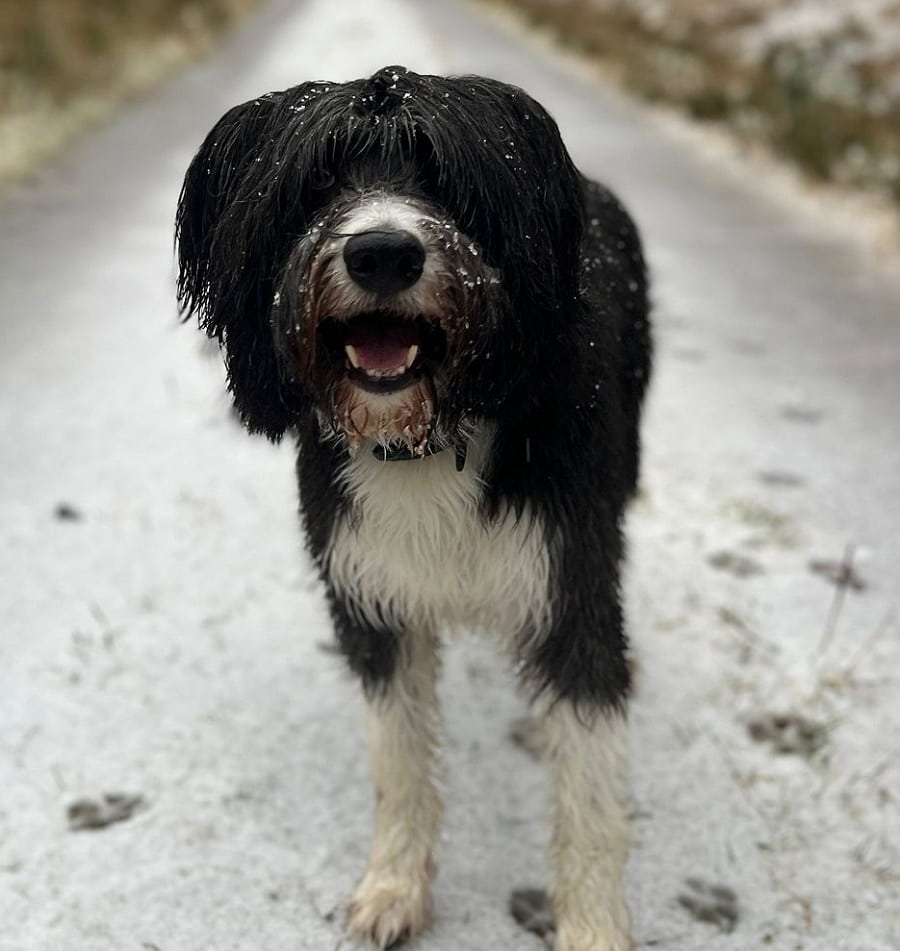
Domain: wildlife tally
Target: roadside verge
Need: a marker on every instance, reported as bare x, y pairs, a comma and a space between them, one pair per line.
65, 67
816, 82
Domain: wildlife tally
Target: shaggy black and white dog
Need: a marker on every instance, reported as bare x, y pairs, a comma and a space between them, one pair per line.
409, 274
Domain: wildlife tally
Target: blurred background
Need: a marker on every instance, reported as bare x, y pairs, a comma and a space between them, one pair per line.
817, 81
65, 64
182, 756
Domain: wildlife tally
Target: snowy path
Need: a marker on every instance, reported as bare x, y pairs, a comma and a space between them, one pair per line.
162, 634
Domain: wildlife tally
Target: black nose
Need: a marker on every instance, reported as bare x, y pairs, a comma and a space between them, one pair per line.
384, 261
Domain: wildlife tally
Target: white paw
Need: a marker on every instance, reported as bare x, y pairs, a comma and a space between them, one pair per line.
388, 909
582, 938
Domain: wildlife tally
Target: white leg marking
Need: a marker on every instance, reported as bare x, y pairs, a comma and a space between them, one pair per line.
590, 829
393, 899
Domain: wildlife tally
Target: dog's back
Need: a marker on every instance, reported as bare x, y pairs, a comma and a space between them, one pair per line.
614, 279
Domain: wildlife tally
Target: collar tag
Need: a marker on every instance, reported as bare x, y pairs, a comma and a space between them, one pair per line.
462, 450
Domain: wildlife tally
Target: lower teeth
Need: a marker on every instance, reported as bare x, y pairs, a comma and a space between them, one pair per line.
385, 374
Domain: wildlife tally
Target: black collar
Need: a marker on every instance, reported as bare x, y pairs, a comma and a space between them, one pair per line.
400, 452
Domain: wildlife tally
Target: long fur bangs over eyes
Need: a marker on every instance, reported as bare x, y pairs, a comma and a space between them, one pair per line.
262, 174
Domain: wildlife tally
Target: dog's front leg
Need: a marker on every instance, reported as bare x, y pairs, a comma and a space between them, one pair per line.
588, 756
393, 900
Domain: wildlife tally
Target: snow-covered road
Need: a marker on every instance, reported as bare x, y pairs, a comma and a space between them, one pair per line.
162, 635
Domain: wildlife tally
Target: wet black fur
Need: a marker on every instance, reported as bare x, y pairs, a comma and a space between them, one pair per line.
560, 358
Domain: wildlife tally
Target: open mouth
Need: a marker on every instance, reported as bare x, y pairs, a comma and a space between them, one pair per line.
383, 351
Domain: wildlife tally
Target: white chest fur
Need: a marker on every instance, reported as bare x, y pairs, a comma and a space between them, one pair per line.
417, 552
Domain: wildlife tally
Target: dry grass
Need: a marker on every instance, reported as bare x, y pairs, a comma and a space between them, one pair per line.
817, 101
67, 63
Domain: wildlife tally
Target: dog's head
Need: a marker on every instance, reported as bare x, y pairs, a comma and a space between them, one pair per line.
379, 252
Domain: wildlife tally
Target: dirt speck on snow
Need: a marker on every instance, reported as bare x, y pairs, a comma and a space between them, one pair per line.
840, 573
738, 565
525, 733
65, 512
789, 733
714, 904
93, 814
531, 909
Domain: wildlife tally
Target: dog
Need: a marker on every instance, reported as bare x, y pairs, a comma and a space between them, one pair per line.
409, 275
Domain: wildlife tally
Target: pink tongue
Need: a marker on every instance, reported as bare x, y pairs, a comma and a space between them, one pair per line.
382, 348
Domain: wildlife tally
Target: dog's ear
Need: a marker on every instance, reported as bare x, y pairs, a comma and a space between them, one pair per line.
548, 196
504, 172
228, 264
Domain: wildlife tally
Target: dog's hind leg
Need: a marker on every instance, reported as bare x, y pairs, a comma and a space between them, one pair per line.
393, 900
588, 756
